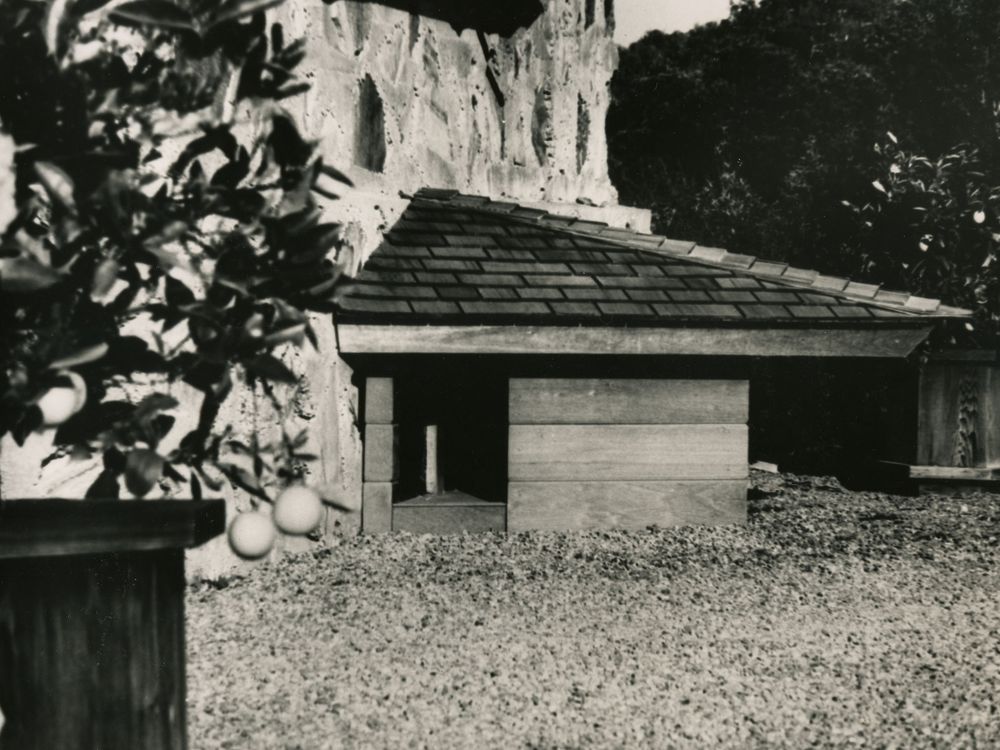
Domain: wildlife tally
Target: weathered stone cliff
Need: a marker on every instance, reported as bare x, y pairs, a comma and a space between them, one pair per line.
399, 102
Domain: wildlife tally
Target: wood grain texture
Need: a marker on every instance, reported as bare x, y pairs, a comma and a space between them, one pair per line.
607, 452
954, 472
450, 518
623, 401
572, 506
959, 415
43, 528
92, 652
381, 453
378, 401
750, 342
376, 507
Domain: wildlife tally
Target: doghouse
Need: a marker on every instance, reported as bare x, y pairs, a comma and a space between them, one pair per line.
524, 370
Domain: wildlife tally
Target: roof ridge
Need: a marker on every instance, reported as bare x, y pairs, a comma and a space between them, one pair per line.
801, 279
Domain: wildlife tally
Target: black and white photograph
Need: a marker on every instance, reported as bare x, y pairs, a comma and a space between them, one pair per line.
515, 374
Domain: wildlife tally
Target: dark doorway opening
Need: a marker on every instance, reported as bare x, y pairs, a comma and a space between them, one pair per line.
462, 418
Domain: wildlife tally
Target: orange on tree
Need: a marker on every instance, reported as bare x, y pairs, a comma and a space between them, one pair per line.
251, 535
63, 400
298, 510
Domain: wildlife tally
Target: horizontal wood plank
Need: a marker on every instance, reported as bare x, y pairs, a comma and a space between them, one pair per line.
571, 506
51, 527
450, 519
622, 401
959, 473
747, 342
606, 452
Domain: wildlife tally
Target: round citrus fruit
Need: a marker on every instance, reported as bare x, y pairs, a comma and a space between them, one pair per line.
251, 535
298, 510
62, 401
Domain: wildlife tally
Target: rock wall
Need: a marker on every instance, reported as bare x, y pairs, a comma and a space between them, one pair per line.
404, 101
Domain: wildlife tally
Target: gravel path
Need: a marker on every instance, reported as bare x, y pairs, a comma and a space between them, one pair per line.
832, 618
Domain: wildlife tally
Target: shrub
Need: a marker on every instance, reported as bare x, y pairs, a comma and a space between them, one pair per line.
933, 226
158, 225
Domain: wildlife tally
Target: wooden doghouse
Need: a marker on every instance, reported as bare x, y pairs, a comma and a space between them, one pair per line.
529, 371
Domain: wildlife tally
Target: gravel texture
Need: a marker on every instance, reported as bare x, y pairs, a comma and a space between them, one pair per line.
831, 619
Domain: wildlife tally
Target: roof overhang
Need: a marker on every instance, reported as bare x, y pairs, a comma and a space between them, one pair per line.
877, 342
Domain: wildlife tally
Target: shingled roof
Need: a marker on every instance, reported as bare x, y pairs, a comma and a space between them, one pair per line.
457, 259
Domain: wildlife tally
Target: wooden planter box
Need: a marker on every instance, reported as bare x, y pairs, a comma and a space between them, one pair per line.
92, 651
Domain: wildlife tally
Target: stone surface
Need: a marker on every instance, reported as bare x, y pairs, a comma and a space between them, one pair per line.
401, 102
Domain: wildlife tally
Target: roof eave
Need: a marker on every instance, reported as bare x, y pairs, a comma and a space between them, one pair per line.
707, 339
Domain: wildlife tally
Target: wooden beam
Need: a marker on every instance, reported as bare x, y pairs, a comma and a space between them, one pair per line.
628, 401
877, 342
627, 452
42, 528
959, 473
571, 506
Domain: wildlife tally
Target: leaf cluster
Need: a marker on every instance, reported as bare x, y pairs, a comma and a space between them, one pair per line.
141, 196
752, 133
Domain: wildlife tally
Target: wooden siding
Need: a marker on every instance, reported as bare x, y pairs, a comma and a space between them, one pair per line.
92, 649
600, 453
596, 401
959, 414
626, 505
449, 518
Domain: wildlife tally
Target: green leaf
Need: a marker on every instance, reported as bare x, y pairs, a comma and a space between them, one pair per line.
105, 276
80, 357
54, 20
153, 403
291, 333
105, 487
196, 493
143, 469
26, 275
320, 239
270, 368
335, 173
237, 9
57, 184
244, 480
159, 13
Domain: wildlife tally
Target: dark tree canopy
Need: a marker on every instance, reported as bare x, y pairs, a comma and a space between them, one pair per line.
759, 134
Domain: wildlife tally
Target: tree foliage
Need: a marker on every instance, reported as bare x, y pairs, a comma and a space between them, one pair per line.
758, 133
158, 224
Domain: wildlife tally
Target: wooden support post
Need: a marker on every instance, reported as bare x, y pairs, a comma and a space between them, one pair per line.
378, 401
432, 474
381, 457
381, 463
376, 508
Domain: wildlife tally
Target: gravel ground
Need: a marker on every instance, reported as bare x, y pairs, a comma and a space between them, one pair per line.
831, 619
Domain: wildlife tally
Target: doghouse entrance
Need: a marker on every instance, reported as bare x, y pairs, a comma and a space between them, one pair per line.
449, 453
